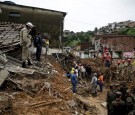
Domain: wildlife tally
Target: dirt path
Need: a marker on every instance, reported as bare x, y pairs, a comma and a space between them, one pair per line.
97, 102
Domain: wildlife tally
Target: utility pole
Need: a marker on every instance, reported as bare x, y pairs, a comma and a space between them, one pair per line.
61, 35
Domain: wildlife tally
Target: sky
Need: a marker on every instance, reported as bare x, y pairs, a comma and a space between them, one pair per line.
85, 15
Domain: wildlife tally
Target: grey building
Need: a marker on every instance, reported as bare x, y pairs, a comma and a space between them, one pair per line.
46, 21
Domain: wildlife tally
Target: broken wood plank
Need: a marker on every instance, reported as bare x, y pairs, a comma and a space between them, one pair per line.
40, 90
83, 100
33, 104
18, 69
14, 59
47, 85
45, 103
104, 104
67, 89
18, 86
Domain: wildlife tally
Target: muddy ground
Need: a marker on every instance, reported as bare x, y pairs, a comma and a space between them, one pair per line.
48, 94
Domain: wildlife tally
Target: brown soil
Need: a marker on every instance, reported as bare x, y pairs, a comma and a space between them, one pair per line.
53, 101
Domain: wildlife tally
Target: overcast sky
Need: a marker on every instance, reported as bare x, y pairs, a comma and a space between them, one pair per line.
84, 15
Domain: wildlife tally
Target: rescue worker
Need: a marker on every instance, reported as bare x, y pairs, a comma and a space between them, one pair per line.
118, 106
118, 62
76, 71
123, 68
25, 42
111, 96
82, 70
123, 89
129, 61
100, 81
108, 60
74, 82
129, 101
38, 44
94, 84
123, 61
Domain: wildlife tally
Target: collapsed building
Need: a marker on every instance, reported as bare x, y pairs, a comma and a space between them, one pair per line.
45, 20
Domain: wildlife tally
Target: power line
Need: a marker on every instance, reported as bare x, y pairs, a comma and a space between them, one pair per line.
72, 26
77, 27
82, 22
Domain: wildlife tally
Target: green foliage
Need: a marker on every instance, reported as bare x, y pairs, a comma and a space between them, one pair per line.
123, 31
127, 31
131, 32
79, 37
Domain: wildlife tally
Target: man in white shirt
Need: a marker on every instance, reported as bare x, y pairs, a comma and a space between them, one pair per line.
94, 85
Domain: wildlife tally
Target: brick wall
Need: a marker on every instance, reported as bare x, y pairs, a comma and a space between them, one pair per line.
118, 43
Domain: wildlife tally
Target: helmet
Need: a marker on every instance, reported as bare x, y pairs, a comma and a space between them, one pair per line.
118, 62
129, 60
95, 74
123, 61
118, 94
29, 24
73, 69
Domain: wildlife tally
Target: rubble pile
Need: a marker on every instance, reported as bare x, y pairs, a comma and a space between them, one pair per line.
95, 63
5, 103
9, 36
109, 73
40, 89
45, 91
47, 88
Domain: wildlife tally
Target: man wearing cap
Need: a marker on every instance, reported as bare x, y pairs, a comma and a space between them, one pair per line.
111, 96
118, 106
25, 42
94, 85
129, 101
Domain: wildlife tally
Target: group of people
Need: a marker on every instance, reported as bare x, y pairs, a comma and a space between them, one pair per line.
78, 72
81, 72
120, 100
29, 37
97, 80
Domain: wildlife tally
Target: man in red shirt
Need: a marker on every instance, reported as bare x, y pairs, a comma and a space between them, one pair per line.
108, 60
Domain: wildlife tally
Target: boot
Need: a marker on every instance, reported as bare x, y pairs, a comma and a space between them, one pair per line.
23, 64
29, 62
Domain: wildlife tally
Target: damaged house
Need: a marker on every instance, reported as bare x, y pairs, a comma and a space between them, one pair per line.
45, 20
122, 44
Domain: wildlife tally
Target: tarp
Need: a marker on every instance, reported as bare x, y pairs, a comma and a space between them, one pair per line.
128, 54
